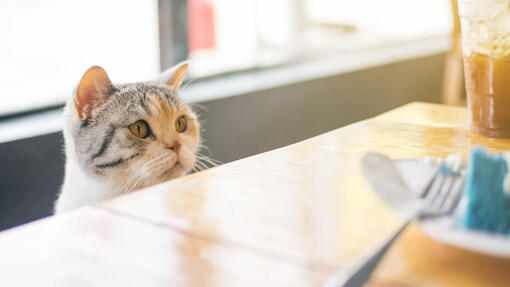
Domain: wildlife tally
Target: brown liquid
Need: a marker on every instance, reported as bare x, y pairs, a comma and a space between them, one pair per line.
488, 94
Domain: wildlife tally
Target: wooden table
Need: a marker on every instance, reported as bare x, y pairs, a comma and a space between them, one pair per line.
290, 217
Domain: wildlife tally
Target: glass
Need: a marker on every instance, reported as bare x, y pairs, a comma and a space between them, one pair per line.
485, 26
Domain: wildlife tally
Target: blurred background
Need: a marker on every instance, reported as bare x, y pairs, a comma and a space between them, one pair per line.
266, 73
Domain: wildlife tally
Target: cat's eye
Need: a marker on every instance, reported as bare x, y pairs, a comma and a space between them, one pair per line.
181, 125
140, 129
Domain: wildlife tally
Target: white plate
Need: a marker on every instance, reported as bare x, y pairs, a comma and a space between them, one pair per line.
444, 229
417, 173
447, 229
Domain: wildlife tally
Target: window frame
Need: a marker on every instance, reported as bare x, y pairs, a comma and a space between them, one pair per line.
173, 32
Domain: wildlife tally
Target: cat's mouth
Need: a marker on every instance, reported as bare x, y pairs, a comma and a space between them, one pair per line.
170, 173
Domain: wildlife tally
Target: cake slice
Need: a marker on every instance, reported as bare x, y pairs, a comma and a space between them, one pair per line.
488, 205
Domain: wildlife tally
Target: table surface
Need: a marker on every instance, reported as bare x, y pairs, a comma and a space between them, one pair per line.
294, 216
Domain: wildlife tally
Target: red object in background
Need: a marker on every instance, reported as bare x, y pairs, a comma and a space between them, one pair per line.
201, 25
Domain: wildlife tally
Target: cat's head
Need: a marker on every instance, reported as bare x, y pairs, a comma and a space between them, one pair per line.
135, 134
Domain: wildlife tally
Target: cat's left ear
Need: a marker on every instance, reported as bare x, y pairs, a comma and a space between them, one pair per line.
174, 76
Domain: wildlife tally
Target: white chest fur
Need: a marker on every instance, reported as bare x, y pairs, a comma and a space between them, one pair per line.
80, 189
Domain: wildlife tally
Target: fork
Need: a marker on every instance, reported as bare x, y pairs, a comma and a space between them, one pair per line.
439, 198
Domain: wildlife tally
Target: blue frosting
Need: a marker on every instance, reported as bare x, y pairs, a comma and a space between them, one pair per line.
488, 206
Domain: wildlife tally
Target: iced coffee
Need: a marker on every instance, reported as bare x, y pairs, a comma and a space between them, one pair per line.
485, 28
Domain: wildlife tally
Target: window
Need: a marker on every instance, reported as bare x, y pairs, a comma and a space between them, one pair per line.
228, 35
47, 45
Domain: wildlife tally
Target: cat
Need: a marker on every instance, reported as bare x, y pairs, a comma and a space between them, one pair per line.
120, 138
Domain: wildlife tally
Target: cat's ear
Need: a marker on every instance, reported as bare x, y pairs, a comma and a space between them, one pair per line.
174, 76
93, 87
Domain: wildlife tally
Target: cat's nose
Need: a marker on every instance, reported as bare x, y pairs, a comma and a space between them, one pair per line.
176, 147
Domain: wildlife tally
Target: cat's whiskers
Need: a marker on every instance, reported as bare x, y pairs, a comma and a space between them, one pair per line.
204, 157
188, 155
202, 147
201, 161
196, 106
187, 84
126, 186
153, 166
209, 160
138, 174
158, 165
130, 183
